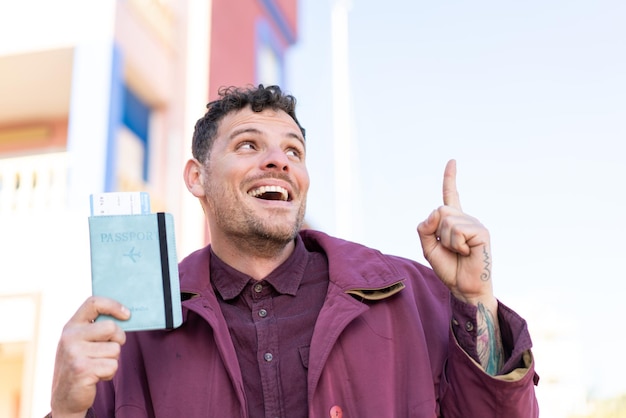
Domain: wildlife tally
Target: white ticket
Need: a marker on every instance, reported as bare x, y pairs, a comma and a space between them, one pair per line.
120, 203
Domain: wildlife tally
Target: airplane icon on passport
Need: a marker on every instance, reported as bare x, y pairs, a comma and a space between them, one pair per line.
132, 254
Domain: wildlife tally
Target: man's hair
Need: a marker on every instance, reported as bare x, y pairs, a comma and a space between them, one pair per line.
233, 99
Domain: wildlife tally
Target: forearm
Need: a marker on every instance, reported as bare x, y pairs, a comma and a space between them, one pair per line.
476, 327
488, 338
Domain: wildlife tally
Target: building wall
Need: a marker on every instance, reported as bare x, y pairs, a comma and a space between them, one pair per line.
242, 30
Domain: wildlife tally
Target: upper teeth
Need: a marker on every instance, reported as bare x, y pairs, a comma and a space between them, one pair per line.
266, 189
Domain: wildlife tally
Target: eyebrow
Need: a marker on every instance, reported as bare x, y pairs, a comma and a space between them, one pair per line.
238, 132
242, 131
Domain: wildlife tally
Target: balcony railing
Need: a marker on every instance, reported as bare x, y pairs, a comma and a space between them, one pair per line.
34, 183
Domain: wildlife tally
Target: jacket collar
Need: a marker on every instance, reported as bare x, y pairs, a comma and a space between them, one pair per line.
354, 268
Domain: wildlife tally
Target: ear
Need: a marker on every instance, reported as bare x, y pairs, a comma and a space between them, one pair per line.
194, 178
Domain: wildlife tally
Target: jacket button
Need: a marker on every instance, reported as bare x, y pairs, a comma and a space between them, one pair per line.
336, 412
469, 326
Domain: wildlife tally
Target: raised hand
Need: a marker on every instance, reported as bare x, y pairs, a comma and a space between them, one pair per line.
457, 246
87, 353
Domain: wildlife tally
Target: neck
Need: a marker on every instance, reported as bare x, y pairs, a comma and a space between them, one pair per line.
255, 257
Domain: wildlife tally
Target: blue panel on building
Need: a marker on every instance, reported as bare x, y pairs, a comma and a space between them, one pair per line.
136, 115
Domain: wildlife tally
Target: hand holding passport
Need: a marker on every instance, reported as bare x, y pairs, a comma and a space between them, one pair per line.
133, 260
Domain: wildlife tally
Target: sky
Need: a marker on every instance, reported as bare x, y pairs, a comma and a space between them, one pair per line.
530, 99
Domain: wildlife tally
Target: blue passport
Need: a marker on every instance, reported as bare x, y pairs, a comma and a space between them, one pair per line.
133, 260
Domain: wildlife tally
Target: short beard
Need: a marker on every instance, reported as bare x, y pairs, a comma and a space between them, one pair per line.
253, 236
266, 245
249, 233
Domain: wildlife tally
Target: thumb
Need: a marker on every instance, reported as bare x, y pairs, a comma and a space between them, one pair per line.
427, 231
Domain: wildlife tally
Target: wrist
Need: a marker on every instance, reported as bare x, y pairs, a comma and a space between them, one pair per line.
487, 300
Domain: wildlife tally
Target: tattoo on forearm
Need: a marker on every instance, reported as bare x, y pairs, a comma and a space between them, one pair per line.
489, 341
486, 274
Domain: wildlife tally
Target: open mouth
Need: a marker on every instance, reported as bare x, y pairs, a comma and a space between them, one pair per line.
270, 193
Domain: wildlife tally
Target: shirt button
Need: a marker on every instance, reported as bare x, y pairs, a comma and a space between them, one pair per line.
262, 313
258, 288
268, 357
469, 326
336, 412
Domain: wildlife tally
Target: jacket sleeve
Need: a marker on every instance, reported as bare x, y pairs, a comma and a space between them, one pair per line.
467, 390
104, 404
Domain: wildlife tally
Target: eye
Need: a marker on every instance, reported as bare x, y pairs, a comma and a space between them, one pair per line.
246, 145
295, 152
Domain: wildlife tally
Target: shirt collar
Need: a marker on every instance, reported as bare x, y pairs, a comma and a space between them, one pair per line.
285, 279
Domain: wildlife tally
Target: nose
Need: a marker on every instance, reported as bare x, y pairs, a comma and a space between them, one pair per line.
276, 160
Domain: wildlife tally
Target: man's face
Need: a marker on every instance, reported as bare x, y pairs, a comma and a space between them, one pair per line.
256, 179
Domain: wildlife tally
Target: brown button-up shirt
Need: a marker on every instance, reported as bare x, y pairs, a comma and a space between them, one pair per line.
271, 324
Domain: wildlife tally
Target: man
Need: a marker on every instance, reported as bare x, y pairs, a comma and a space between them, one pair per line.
279, 322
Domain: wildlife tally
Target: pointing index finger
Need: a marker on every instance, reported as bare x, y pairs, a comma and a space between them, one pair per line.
450, 192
